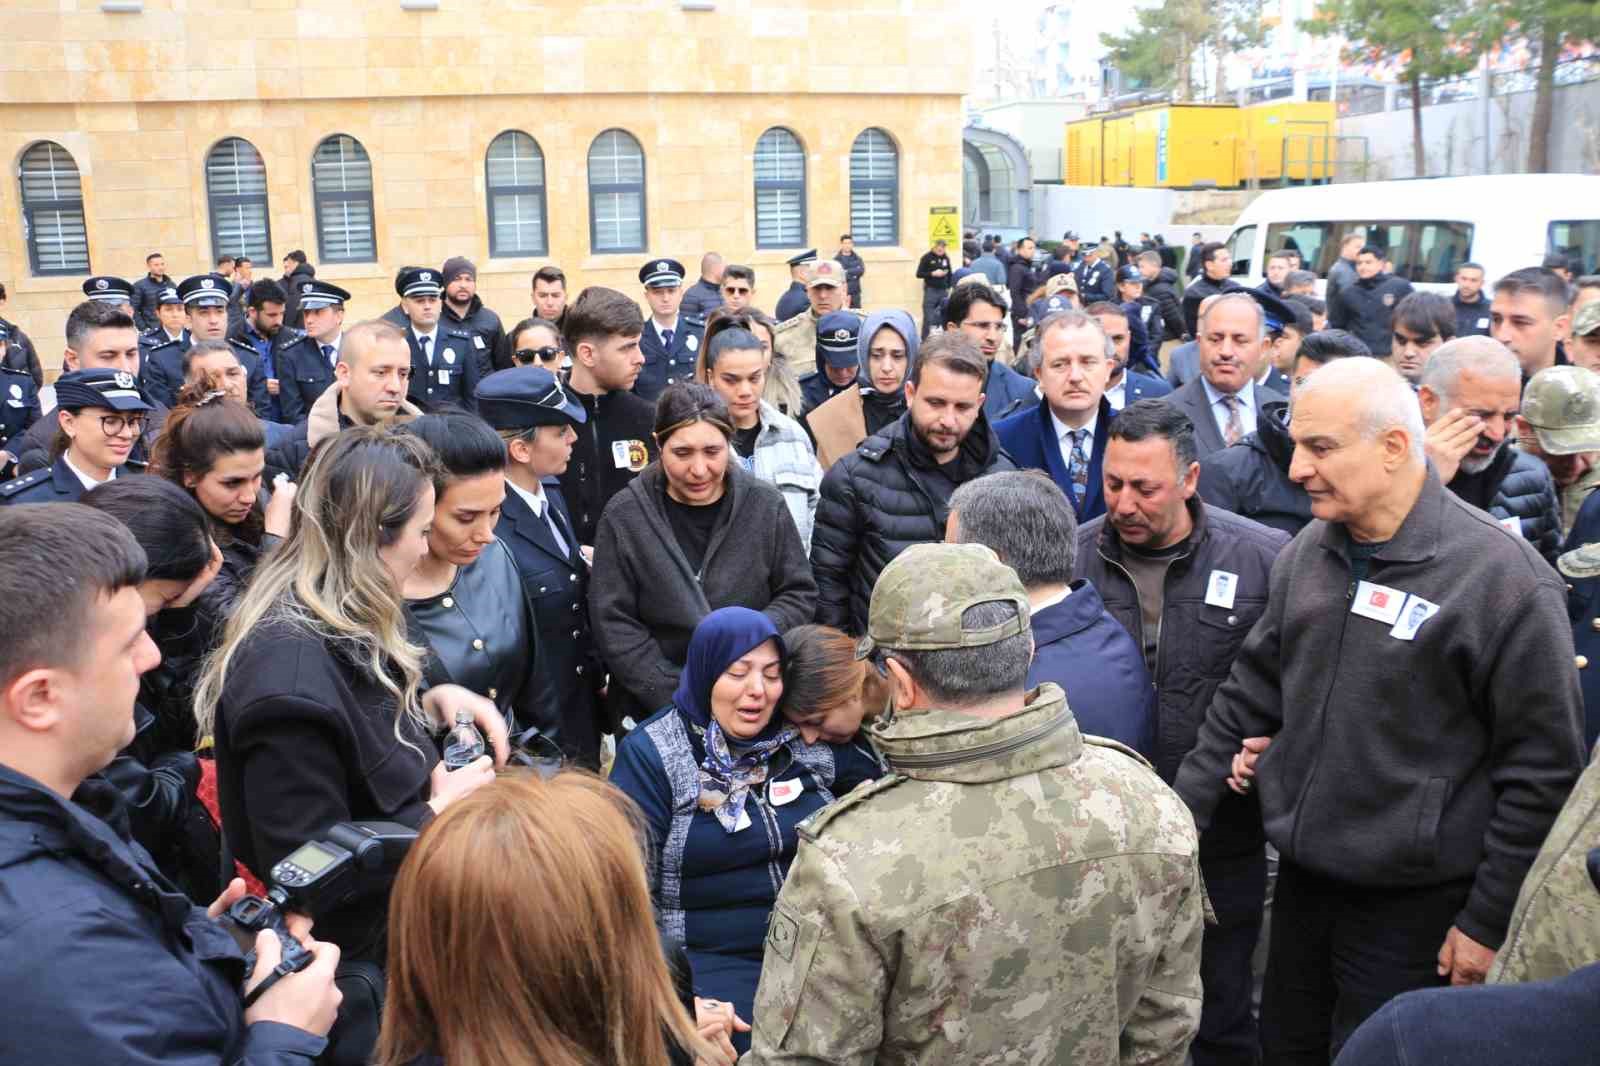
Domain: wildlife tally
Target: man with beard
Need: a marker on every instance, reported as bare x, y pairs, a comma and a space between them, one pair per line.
1470, 393
894, 489
464, 310
1125, 385
978, 312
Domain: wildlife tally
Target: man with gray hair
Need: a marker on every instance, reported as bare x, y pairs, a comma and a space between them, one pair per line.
1224, 402
1470, 392
1028, 522
1012, 891
1414, 670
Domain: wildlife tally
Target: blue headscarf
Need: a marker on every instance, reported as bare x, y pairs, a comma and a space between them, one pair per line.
901, 323
720, 640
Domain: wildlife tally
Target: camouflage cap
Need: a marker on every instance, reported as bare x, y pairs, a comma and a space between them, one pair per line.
1581, 562
1562, 404
920, 596
1587, 320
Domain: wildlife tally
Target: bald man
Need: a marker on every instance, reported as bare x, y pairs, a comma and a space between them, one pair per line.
705, 295
1412, 717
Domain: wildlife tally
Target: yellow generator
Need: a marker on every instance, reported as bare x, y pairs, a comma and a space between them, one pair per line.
1182, 146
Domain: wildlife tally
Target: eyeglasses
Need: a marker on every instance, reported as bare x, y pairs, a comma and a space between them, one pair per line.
117, 425
527, 356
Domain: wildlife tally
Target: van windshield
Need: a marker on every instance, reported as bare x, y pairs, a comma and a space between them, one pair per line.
1419, 250
1578, 239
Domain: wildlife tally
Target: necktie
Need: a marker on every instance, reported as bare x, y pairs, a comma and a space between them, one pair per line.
1078, 466
666, 339
555, 528
1235, 428
427, 353
327, 353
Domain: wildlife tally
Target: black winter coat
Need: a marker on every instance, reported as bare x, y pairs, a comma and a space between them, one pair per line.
1198, 640
879, 500
21, 354
645, 599
146, 298
599, 470
1164, 291
1196, 293
491, 349
305, 739
1517, 485
1251, 478
291, 282
1366, 306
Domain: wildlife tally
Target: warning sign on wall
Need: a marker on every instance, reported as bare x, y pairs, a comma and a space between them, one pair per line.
944, 224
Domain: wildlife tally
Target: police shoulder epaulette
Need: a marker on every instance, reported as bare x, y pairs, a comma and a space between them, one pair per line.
693, 319
16, 485
461, 333
859, 313
1118, 746
242, 344
812, 827
792, 322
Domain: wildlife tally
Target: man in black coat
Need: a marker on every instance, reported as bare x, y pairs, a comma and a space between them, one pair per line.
1365, 307
854, 268
296, 272
933, 270
147, 289
1471, 305
617, 440
794, 300
893, 490
1216, 267
1161, 285
464, 310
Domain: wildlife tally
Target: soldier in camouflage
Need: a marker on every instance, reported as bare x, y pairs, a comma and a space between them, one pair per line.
1012, 891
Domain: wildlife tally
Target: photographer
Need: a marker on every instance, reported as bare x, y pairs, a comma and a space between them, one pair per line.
101, 958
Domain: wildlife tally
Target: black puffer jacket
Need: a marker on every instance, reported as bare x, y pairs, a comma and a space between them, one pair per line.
1251, 478
1164, 291
1517, 485
1195, 295
879, 500
1197, 642
1366, 308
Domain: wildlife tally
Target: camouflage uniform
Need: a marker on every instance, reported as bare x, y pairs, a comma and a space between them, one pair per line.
1012, 892
1561, 404
1555, 927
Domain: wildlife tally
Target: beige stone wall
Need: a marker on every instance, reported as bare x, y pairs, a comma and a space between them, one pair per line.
140, 99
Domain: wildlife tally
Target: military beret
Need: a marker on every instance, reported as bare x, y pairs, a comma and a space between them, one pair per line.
99, 387
106, 289
662, 274
418, 281
205, 290
524, 397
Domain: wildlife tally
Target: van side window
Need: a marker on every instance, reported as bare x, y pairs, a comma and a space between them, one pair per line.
1421, 250
1578, 239
1241, 249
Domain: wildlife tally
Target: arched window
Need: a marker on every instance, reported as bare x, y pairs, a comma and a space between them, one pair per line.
874, 189
514, 177
52, 211
341, 184
616, 193
236, 189
780, 190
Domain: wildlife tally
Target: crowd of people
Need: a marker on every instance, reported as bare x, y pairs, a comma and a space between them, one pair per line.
1117, 664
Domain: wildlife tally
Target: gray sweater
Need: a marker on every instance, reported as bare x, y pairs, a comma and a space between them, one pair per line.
644, 599
1406, 762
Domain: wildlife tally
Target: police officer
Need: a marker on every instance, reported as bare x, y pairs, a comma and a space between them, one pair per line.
1049, 965
538, 419
169, 320
19, 405
838, 360
102, 413
670, 341
205, 304
793, 301
20, 353
444, 368
306, 359
103, 288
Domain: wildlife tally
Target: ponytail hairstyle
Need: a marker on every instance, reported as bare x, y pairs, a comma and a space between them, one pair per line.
358, 491
203, 428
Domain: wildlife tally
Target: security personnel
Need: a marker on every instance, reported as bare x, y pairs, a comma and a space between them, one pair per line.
444, 368
19, 405
795, 339
838, 359
103, 413
205, 305
1061, 920
305, 360
538, 419
1581, 566
103, 288
793, 300
169, 312
20, 353
670, 341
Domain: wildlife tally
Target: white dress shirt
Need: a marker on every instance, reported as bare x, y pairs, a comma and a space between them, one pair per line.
1219, 410
430, 351
1064, 436
88, 482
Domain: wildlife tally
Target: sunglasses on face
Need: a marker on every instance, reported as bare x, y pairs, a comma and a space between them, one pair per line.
529, 356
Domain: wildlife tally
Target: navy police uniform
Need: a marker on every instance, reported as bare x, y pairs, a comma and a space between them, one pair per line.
103, 288
669, 355
161, 357
545, 546
445, 371
837, 333
115, 391
19, 405
305, 370
794, 300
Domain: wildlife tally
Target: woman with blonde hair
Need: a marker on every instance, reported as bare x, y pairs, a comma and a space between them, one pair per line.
484, 971
315, 694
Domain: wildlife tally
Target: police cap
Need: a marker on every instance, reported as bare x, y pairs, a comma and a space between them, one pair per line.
802, 258
103, 288
524, 397
169, 295
205, 290
837, 332
1562, 404
418, 281
317, 293
99, 387
921, 595
662, 274
1276, 312
1130, 273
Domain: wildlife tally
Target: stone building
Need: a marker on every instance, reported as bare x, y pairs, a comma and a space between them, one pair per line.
374, 134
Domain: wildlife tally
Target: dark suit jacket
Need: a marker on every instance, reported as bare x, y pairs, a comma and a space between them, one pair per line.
1191, 399
557, 584
452, 377
1143, 387
1029, 437
663, 367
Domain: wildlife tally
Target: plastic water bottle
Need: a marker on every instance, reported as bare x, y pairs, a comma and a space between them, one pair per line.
465, 744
